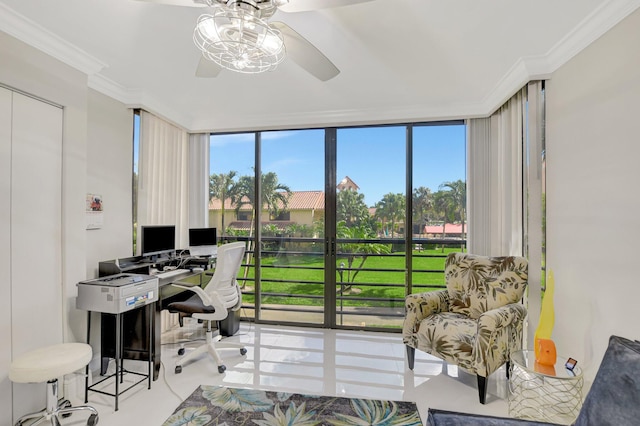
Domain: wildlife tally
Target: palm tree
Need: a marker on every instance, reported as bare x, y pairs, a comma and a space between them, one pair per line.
222, 186
351, 207
422, 203
274, 195
391, 207
457, 193
443, 206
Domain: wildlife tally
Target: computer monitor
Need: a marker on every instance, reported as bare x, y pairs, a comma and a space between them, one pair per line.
203, 242
156, 241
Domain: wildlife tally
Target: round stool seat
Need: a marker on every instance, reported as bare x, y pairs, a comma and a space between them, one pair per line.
49, 362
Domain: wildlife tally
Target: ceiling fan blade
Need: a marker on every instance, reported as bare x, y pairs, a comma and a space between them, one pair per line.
305, 54
187, 3
207, 68
307, 5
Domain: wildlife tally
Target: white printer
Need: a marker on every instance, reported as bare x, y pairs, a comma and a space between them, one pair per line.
118, 293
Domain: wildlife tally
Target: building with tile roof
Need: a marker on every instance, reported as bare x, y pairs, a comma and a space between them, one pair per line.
304, 208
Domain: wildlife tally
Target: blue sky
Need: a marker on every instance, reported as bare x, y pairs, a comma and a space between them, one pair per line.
373, 157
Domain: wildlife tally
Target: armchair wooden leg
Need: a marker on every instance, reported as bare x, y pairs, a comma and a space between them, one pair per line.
411, 356
482, 389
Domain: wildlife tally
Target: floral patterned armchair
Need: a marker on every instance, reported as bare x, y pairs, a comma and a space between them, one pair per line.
477, 321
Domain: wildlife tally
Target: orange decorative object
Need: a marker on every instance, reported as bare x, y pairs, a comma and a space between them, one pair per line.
546, 352
549, 370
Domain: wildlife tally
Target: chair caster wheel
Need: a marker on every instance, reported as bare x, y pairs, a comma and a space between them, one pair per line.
178, 369
243, 351
221, 369
93, 420
181, 351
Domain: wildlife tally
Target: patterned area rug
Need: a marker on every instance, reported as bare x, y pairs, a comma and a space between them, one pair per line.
218, 405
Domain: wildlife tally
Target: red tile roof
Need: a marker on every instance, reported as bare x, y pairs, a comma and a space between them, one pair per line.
451, 228
298, 200
306, 200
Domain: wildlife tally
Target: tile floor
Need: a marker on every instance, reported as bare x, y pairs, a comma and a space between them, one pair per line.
308, 360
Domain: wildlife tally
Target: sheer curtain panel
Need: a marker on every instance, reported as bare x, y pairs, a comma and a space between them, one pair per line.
495, 176
163, 183
163, 176
199, 180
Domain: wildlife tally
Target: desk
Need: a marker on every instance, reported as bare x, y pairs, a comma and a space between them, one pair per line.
135, 324
549, 394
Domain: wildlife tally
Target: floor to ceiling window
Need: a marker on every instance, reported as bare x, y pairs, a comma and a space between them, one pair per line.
438, 201
292, 273
370, 225
231, 195
349, 220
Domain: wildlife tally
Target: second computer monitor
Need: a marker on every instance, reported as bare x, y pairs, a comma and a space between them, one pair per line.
203, 241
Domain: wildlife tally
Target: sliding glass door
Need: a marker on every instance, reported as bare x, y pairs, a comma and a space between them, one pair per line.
340, 224
232, 169
292, 276
438, 202
370, 226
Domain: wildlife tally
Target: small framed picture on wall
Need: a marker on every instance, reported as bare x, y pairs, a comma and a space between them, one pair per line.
94, 211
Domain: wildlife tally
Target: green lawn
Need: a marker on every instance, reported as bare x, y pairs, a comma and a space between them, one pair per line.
390, 290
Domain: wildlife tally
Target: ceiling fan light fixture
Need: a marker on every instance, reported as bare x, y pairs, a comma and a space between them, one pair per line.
236, 39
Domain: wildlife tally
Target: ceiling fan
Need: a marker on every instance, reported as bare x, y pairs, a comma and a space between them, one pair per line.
237, 36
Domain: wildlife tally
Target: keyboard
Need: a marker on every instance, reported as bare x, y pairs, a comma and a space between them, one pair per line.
172, 273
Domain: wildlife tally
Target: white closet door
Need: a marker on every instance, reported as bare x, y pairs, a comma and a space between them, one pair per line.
5, 255
36, 235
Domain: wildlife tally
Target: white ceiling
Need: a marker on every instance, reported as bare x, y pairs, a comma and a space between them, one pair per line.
400, 60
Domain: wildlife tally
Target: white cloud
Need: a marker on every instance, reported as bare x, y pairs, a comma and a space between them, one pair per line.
281, 163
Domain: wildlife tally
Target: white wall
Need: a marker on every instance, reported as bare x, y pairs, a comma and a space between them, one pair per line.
103, 165
6, 394
593, 204
28, 70
109, 173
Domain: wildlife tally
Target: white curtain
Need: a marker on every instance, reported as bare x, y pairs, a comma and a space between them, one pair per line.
163, 183
534, 224
495, 176
199, 180
162, 176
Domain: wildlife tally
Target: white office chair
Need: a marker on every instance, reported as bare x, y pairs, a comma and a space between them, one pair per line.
213, 302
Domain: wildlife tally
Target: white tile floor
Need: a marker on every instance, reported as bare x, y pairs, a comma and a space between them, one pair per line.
308, 360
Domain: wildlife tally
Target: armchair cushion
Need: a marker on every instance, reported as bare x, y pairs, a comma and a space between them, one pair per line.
450, 335
477, 284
